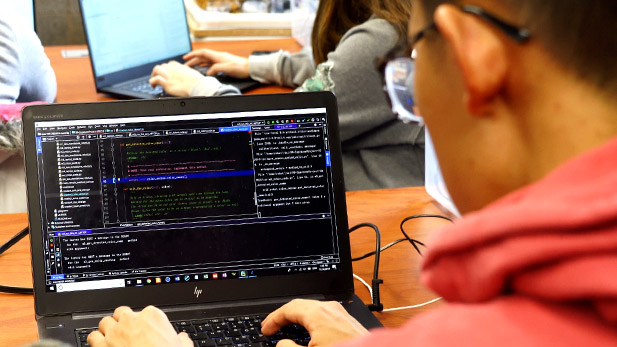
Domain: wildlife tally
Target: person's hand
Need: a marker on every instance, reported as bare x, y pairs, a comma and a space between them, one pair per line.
326, 322
175, 78
228, 63
150, 327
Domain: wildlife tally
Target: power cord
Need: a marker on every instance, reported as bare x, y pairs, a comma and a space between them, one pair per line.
376, 305
415, 242
10, 289
381, 249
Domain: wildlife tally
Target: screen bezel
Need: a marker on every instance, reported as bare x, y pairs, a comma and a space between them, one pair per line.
331, 284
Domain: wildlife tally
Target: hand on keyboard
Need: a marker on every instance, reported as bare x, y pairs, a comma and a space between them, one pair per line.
219, 62
150, 327
326, 322
175, 78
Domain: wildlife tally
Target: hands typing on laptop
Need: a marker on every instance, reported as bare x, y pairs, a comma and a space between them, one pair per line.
327, 323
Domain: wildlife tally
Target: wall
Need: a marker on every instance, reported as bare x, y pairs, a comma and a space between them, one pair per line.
58, 22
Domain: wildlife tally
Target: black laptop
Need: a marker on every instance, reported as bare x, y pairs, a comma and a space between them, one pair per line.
126, 39
217, 210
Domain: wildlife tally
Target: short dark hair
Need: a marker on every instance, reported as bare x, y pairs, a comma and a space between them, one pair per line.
581, 34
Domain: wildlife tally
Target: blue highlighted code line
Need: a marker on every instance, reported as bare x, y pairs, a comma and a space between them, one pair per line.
178, 177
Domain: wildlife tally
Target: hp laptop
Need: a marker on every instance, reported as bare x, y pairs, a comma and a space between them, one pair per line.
217, 210
126, 39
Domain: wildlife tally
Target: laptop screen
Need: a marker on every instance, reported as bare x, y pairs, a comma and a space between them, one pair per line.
126, 34
158, 200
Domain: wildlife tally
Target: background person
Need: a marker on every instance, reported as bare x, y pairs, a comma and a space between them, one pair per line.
524, 121
348, 36
25, 76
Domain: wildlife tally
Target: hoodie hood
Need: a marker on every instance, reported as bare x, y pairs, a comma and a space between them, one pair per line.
554, 240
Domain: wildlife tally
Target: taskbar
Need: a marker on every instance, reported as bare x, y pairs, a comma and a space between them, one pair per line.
162, 279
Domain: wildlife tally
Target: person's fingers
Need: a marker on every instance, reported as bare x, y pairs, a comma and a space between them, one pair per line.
159, 70
292, 312
215, 69
194, 61
186, 340
153, 311
204, 54
106, 324
122, 312
157, 81
189, 55
96, 339
287, 343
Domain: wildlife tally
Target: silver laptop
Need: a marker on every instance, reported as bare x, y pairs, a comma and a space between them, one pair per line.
126, 39
218, 210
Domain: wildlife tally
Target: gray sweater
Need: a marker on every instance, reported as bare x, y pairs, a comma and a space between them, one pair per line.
378, 150
25, 71
25, 75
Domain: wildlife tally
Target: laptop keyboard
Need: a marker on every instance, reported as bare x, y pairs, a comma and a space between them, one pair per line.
229, 331
144, 86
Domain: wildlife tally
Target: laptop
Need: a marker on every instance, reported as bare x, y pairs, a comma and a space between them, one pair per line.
126, 39
209, 208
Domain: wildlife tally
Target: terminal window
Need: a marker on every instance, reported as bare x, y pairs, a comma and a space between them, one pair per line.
128, 199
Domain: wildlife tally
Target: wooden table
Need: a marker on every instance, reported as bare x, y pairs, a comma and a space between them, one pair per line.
76, 82
385, 208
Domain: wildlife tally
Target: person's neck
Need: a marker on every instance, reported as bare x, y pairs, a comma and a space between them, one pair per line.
568, 117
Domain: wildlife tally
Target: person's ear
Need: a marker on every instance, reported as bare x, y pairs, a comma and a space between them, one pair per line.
479, 53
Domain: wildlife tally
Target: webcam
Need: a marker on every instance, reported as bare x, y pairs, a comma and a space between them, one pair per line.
182, 103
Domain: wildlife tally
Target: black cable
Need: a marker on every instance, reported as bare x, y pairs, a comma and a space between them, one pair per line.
4, 248
399, 240
20, 235
376, 305
382, 249
415, 242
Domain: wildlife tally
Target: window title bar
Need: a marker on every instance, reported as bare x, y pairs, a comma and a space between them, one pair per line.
172, 118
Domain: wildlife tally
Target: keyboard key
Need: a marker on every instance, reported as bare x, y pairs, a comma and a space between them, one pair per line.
215, 334
206, 343
236, 325
253, 323
251, 331
258, 338
198, 336
187, 329
203, 327
233, 332
224, 341
219, 326
240, 340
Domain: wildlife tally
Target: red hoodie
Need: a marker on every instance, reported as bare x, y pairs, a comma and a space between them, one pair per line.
536, 268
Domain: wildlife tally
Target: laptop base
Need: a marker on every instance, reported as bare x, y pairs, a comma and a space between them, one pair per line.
63, 328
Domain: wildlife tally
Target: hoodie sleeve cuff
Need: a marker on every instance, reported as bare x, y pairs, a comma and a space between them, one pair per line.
210, 86
263, 68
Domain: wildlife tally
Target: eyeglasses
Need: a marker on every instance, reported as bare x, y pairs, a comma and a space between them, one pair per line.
399, 72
